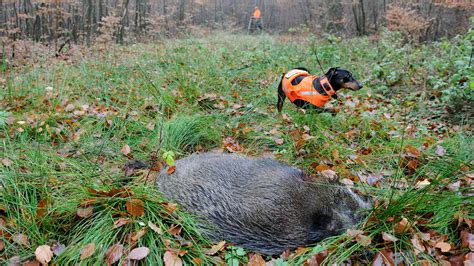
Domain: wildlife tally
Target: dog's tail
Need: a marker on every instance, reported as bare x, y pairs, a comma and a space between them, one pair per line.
281, 96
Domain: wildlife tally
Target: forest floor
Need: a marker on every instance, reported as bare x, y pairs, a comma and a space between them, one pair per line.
69, 127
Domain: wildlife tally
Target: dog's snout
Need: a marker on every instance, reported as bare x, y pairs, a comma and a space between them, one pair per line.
360, 85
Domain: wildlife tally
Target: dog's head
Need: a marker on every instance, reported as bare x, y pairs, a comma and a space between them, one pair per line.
342, 79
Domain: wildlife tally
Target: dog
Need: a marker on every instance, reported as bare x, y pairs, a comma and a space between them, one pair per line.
259, 204
306, 90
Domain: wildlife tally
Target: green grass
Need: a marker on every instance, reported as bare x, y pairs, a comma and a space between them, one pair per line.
152, 97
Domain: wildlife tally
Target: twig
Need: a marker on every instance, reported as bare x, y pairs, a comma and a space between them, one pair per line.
62, 46
472, 52
160, 137
315, 52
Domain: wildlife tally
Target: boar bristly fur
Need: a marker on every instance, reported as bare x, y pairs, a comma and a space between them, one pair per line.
259, 204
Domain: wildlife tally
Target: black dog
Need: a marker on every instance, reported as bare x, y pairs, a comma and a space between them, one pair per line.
306, 90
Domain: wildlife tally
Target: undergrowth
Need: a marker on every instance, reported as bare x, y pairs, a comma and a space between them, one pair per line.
68, 130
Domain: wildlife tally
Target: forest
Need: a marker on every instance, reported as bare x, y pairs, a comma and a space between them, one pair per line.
104, 102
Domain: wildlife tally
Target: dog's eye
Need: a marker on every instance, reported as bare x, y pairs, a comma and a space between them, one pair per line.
346, 79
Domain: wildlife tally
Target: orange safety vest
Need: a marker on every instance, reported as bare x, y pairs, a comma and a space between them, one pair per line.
256, 13
305, 89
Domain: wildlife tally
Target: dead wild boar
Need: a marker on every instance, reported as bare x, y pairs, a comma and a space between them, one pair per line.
259, 204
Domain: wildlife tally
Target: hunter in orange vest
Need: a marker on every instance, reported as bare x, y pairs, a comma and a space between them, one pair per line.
304, 89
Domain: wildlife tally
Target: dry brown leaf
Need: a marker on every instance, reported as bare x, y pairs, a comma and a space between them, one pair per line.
7, 162
388, 237
2, 245
85, 212
467, 240
378, 260
43, 254
41, 208
364, 240
121, 222
256, 260
171, 259
138, 253
353, 232
87, 251
113, 253
138, 234
21, 239
125, 149
174, 229
412, 151
388, 257
445, 247
422, 184
417, 244
155, 228
171, 169
135, 207
401, 226
170, 207
215, 248
278, 141
31, 263
469, 259
330, 174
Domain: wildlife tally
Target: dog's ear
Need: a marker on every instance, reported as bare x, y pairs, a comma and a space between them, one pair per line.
331, 72
281, 96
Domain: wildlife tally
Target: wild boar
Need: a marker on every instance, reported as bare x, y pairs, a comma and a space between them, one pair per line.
259, 204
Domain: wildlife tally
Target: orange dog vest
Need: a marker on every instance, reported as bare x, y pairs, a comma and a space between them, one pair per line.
305, 89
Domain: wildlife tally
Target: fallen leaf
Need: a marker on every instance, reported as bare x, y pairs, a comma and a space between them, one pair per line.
445, 247
412, 151
138, 253
135, 207
347, 182
30, 263
330, 174
174, 229
256, 260
377, 261
113, 253
155, 228
21, 239
354, 232
215, 248
417, 244
364, 240
121, 222
138, 234
41, 208
422, 184
469, 259
278, 141
85, 212
7, 162
14, 261
454, 186
440, 151
125, 149
171, 169
2, 245
171, 259
388, 257
467, 240
388, 237
43, 254
401, 226
87, 251
58, 248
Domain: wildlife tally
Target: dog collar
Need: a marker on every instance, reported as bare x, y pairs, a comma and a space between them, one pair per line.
324, 82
